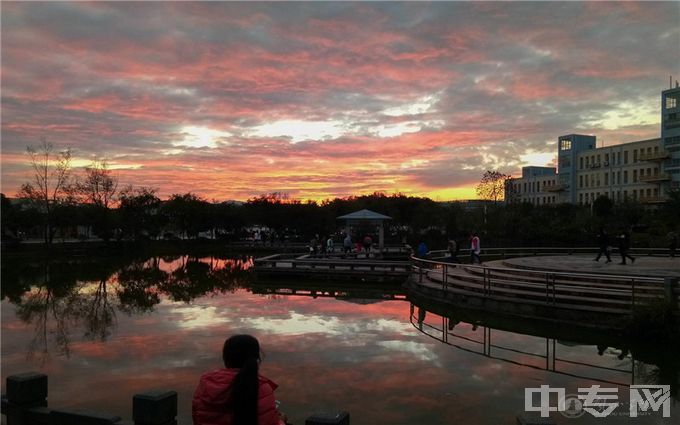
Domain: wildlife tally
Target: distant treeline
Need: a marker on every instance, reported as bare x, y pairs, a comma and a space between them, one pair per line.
141, 215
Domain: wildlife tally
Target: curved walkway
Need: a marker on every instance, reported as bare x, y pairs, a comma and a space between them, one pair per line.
644, 266
570, 288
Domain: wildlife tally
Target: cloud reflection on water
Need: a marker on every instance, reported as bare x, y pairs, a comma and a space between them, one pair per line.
325, 353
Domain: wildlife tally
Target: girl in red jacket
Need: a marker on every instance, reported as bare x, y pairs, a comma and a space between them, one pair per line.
237, 394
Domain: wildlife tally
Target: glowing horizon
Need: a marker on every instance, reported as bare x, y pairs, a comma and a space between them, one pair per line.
323, 100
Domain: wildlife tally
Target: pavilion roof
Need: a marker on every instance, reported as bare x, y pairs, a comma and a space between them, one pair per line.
364, 215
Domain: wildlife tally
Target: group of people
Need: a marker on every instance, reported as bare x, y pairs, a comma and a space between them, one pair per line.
454, 249
323, 245
364, 245
605, 247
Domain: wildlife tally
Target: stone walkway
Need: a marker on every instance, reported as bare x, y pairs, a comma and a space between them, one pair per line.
644, 265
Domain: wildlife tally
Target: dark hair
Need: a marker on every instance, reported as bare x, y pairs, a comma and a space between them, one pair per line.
243, 352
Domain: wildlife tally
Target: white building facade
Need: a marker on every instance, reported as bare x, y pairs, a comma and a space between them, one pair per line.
643, 171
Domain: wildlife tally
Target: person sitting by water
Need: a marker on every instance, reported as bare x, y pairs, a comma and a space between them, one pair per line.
236, 394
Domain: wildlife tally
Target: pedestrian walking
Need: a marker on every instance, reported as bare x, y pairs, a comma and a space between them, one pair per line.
422, 250
347, 244
603, 243
475, 249
454, 248
624, 247
329, 245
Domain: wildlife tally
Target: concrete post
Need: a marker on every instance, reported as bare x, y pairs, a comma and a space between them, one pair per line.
155, 408
670, 284
24, 391
328, 418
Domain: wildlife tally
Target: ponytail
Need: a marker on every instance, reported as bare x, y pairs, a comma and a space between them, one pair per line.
244, 392
243, 352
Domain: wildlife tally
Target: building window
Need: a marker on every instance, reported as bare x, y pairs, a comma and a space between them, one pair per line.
580, 181
606, 179
625, 157
625, 177
635, 156
580, 163
565, 145
606, 159
618, 157
635, 178
671, 102
618, 177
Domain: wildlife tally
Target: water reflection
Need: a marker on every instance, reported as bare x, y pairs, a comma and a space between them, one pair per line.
55, 297
597, 363
128, 325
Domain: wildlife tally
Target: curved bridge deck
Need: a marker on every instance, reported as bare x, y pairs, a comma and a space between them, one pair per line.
562, 288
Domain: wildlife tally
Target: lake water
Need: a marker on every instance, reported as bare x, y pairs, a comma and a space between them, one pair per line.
105, 330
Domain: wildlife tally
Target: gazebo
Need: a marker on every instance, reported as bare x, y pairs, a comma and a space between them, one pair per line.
364, 218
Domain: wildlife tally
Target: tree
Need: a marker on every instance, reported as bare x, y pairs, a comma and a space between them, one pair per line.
98, 189
189, 214
492, 186
99, 186
139, 212
50, 186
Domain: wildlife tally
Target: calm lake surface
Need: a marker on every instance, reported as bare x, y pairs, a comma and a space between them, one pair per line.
104, 330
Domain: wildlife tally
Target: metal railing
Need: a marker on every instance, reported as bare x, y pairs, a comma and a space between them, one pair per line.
582, 291
305, 262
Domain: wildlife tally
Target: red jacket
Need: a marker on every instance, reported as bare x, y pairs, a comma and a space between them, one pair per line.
210, 405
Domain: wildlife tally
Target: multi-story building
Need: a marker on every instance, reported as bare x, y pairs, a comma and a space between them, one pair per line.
670, 133
643, 171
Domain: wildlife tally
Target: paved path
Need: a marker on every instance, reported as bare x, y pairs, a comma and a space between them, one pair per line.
643, 266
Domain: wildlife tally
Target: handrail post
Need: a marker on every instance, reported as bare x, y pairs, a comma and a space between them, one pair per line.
445, 270
670, 284
632, 296
554, 288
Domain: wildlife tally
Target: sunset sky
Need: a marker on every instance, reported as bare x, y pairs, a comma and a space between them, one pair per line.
322, 100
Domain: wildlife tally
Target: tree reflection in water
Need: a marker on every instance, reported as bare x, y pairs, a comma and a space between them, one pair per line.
58, 297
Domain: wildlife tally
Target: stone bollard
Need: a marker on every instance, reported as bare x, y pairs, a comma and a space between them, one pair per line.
155, 408
670, 285
25, 391
328, 418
